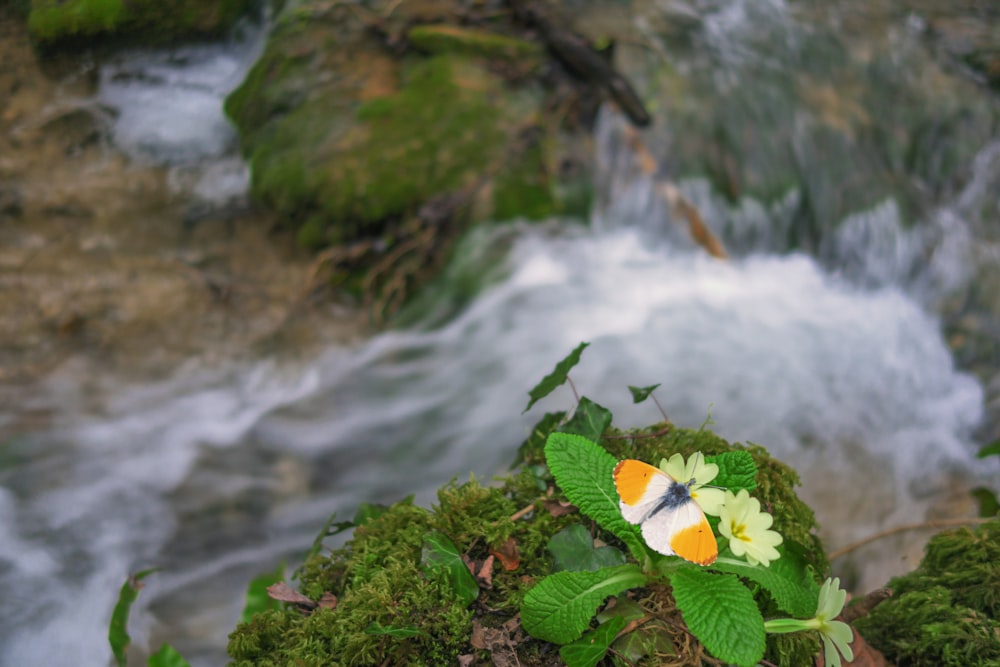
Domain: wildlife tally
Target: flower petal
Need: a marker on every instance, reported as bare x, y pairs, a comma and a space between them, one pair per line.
830, 656
710, 500
674, 466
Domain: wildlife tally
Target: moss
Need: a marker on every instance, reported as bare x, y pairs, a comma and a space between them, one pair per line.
52, 21
443, 38
946, 612
438, 131
523, 189
377, 577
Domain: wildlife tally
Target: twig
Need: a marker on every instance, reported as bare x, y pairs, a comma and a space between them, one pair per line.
660, 407
863, 606
940, 523
523, 511
576, 394
620, 657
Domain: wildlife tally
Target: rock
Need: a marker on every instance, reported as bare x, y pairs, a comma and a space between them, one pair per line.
353, 121
58, 21
445, 38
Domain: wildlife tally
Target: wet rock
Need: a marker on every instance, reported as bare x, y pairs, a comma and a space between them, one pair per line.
354, 121
55, 21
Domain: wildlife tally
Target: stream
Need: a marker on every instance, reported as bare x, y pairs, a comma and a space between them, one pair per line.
836, 360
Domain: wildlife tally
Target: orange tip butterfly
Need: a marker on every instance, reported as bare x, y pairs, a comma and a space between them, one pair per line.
672, 522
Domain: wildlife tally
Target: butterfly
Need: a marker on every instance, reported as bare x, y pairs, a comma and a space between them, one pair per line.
672, 522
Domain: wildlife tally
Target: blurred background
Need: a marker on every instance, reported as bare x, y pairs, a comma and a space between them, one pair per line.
264, 265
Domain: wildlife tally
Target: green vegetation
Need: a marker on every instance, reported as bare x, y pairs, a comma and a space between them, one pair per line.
405, 591
444, 38
51, 21
946, 613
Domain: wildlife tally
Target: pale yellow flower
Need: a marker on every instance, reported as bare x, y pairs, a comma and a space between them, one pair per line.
698, 473
746, 527
835, 635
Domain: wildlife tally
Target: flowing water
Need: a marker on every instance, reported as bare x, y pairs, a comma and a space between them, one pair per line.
835, 361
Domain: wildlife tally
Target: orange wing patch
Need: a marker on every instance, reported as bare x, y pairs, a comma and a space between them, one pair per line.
632, 478
696, 543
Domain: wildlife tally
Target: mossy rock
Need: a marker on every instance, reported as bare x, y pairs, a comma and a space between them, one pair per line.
343, 137
158, 21
391, 611
446, 38
946, 613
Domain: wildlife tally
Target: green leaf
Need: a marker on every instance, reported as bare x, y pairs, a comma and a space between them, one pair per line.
167, 656
588, 650
258, 601
573, 549
624, 608
557, 377
640, 394
440, 557
787, 591
585, 472
736, 470
533, 446
117, 633
589, 420
330, 528
376, 628
721, 613
987, 500
992, 449
560, 607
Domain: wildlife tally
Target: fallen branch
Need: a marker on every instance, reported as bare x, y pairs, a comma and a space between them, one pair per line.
939, 523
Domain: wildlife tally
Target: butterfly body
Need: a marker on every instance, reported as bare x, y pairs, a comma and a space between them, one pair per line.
671, 521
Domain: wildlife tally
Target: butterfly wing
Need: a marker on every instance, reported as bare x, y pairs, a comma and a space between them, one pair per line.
683, 531
640, 486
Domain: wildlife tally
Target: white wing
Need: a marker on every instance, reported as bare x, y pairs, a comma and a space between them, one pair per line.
658, 529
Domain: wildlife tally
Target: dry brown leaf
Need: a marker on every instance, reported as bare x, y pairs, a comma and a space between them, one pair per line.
466, 660
497, 641
508, 554
282, 592
558, 508
481, 570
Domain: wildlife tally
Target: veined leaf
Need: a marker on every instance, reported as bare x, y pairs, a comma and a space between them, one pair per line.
788, 593
117, 633
721, 613
585, 473
536, 441
590, 420
557, 377
588, 650
167, 656
440, 556
572, 549
736, 470
992, 449
640, 394
560, 607
257, 598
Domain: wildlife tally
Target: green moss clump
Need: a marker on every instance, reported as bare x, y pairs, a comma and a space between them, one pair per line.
51, 21
429, 138
946, 613
444, 38
378, 579
524, 189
